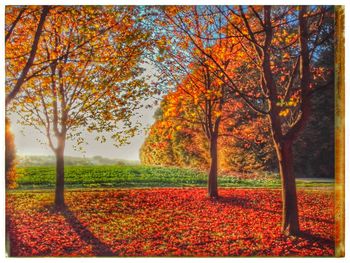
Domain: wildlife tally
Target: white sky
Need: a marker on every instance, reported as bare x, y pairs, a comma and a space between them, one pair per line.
26, 141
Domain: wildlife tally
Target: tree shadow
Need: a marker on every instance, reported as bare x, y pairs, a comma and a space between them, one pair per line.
243, 203
15, 247
307, 235
99, 248
248, 204
316, 238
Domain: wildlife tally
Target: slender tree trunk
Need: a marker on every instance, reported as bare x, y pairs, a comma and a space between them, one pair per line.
59, 194
213, 173
290, 217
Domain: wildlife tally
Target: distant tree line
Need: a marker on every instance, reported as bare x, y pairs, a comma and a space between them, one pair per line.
50, 160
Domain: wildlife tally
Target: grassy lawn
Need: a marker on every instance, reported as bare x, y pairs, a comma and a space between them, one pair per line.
139, 176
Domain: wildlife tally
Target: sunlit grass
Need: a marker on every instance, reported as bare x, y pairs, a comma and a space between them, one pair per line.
140, 176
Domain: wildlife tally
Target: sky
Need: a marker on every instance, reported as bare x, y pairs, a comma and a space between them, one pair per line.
26, 141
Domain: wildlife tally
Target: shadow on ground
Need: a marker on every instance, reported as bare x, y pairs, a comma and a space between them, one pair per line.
99, 248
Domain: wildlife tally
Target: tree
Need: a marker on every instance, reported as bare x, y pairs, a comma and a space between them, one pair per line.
200, 100
176, 138
10, 157
318, 135
93, 80
201, 93
279, 45
317, 138
244, 144
172, 141
19, 59
20, 54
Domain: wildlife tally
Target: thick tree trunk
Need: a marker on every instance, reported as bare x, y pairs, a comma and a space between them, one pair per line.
213, 173
59, 194
290, 217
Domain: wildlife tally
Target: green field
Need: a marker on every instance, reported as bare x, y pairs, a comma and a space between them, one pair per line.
139, 176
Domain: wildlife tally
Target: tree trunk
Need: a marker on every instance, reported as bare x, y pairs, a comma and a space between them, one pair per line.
290, 217
59, 194
213, 173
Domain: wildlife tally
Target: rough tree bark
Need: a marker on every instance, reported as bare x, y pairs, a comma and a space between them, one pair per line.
59, 192
213, 173
290, 216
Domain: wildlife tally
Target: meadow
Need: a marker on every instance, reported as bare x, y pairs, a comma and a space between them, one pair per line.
138, 176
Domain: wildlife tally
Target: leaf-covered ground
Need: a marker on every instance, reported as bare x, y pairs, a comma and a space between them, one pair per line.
167, 222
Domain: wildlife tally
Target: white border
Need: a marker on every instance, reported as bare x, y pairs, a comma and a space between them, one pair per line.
179, 2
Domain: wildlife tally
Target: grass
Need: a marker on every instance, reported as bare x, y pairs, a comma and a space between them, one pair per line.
139, 176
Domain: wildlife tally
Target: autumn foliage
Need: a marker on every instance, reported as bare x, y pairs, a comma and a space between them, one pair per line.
267, 57
86, 75
244, 145
168, 222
